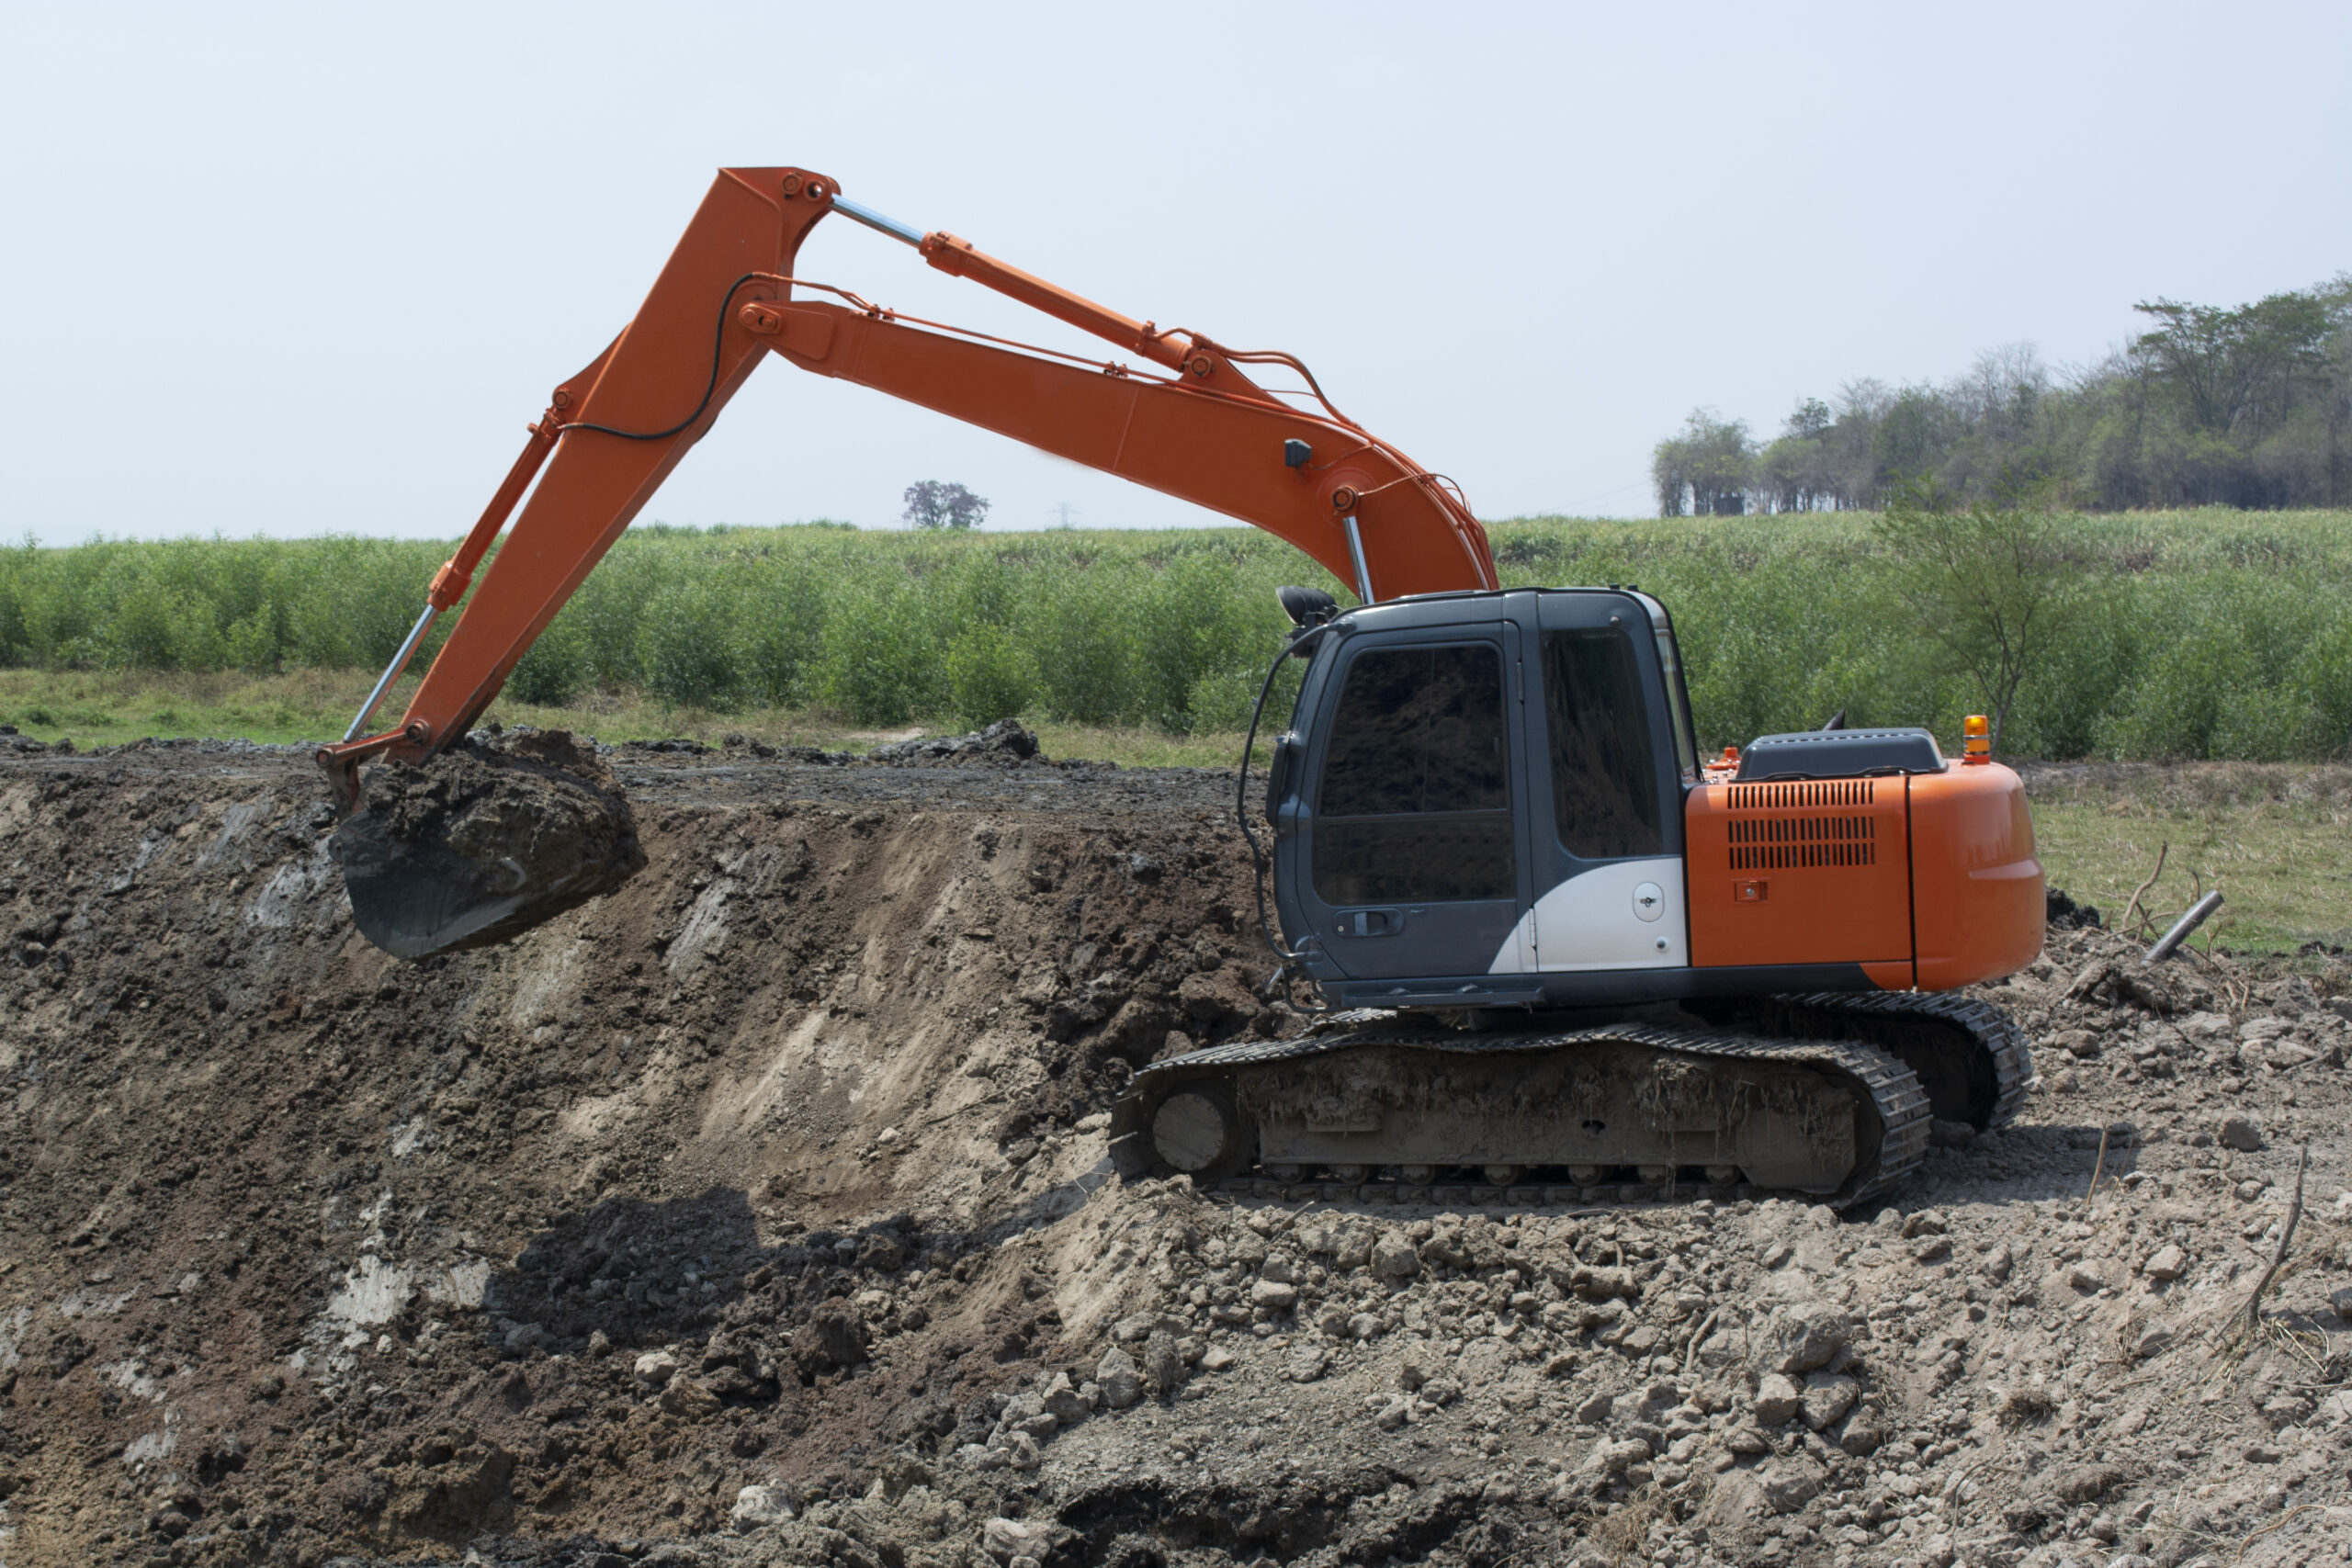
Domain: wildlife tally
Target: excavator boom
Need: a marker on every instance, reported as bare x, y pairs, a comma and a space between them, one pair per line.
1194, 423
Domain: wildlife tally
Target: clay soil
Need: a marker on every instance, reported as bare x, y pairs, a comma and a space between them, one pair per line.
759, 1212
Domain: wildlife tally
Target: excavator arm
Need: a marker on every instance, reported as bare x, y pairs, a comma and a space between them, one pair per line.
1194, 424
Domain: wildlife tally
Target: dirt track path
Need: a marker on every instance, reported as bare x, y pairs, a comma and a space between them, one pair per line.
773, 1185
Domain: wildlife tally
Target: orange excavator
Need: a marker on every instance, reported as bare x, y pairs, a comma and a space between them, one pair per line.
1560, 954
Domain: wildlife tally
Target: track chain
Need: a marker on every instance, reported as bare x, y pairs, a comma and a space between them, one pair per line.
1894, 1089
1995, 1032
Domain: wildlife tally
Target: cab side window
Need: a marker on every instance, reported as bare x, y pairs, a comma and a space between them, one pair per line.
1415, 801
1604, 777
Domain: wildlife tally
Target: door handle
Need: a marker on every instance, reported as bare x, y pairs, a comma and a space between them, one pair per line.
1369, 922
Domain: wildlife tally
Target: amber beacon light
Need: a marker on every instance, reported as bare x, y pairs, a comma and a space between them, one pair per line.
1978, 745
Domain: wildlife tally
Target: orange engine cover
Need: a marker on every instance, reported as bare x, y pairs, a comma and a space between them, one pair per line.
1814, 871
1976, 888
1927, 880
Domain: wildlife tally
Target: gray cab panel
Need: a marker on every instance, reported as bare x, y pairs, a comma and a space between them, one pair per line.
1463, 769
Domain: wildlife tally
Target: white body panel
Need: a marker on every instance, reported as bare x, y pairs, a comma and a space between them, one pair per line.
1625, 915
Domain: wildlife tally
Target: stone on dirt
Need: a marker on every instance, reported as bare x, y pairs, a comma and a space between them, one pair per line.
1005, 1539
832, 1338
1827, 1396
1120, 1379
756, 1505
1777, 1400
1395, 1257
1803, 1336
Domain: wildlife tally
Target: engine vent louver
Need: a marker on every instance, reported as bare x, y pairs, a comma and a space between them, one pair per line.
1783, 843
1812, 792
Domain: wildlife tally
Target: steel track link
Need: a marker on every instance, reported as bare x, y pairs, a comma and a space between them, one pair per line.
1993, 1032
1894, 1089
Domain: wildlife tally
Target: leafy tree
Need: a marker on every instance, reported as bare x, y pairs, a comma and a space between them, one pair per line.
1799, 471
2231, 365
1706, 470
932, 504
1991, 584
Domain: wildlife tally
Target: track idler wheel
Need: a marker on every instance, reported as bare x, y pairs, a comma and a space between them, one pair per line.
1194, 1129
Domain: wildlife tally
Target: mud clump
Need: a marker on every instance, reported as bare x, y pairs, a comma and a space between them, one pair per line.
2061, 912
1006, 743
484, 841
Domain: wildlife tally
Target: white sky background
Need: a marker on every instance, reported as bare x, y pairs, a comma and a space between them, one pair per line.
310, 269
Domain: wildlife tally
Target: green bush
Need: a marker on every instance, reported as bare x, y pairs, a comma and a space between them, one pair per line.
557, 669
988, 676
1223, 702
685, 645
879, 661
253, 641
780, 625
1082, 629
2220, 634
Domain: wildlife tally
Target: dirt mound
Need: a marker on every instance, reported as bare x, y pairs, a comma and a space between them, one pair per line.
2061, 912
1006, 741
761, 1212
484, 841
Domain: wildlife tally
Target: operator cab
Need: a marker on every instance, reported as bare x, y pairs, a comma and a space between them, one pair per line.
1479, 801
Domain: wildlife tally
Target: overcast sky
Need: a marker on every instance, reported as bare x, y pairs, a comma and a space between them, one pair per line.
311, 269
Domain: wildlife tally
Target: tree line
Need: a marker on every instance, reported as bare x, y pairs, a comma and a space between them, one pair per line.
2247, 406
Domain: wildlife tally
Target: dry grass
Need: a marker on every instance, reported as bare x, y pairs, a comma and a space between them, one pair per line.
2276, 838
107, 707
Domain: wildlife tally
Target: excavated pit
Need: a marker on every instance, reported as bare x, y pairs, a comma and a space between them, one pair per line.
761, 1212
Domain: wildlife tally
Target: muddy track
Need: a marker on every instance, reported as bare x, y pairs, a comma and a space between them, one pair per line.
762, 1212
1897, 1120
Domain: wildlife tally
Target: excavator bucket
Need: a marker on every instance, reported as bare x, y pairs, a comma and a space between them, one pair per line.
480, 843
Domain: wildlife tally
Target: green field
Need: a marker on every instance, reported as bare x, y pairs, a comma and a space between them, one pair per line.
2226, 635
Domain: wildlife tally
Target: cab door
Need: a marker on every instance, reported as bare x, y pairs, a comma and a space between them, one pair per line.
1606, 835
1402, 852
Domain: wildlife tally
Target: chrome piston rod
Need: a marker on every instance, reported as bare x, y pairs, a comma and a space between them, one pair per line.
392, 671
1355, 554
875, 221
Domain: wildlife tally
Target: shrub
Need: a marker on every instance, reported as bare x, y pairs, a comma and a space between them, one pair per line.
557, 667
253, 641
988, 676
686, 646
879, 661
781, 605
2219, 633
1082, 629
